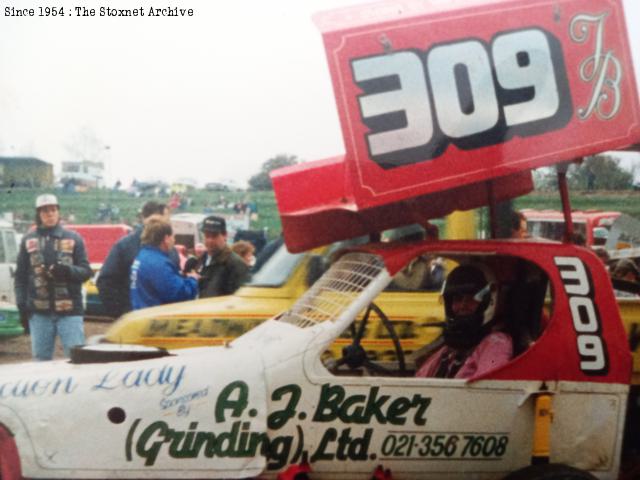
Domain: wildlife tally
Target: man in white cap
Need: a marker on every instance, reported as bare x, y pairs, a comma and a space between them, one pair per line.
51, 268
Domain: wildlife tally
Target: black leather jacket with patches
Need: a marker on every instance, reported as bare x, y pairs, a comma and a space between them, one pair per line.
37, 290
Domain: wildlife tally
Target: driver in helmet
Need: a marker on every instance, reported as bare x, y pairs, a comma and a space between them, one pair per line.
472, 343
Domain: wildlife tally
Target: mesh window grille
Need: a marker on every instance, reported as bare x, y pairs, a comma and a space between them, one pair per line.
335, 290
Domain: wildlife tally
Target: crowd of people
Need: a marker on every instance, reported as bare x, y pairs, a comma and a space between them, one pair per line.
146, 268
142, 269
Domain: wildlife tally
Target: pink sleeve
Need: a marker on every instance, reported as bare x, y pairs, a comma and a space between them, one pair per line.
495, 350
430, 366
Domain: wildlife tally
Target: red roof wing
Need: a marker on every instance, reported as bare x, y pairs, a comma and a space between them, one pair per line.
317, 208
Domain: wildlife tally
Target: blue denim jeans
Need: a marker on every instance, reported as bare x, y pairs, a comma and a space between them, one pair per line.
45, 327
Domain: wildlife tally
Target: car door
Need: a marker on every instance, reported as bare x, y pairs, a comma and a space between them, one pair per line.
416, 427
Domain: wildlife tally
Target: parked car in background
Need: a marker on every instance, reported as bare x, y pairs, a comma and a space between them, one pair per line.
8, 255
593, 225
10, 325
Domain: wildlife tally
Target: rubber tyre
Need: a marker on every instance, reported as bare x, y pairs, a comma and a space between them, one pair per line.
106, 353
550, 471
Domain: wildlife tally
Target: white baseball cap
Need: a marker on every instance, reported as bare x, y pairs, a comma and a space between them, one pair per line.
46, 199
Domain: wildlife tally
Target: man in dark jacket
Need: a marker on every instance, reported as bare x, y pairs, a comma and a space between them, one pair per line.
221, 271
113, 281
51, 268
155, 279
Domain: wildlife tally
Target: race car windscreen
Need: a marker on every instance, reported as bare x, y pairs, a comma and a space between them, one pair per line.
335, 290
277, 269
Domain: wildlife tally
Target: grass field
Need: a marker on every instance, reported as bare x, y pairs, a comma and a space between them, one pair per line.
85, 206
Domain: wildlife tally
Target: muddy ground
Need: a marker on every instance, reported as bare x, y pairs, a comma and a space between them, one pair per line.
18, 349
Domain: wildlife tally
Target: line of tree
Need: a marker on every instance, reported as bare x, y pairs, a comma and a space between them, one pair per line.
261, 180
598, 172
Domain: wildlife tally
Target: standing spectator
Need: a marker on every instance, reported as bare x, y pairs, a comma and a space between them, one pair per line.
246, 251
155, 278
113, 281
174, 201
518, 225
51, 267
221, 270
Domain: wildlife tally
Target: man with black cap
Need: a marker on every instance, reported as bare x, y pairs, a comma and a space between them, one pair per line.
52, 265
221, 271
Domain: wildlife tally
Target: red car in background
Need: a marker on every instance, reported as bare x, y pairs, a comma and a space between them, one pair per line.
593, 225
98, 240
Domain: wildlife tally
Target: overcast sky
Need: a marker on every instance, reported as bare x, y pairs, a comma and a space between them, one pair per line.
210, 96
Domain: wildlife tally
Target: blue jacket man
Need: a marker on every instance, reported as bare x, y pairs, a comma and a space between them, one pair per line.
155, 278
113, 281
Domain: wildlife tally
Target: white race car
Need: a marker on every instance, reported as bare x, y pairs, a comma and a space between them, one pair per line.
267, 402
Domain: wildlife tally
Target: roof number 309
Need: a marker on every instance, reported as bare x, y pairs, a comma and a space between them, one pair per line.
469, 93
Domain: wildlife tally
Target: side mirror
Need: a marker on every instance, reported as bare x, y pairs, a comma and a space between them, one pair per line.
315, 269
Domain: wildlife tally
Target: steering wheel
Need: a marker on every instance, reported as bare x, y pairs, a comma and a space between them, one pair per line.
355, 356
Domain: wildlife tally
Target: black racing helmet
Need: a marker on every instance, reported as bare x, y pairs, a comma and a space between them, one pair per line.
465, 331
